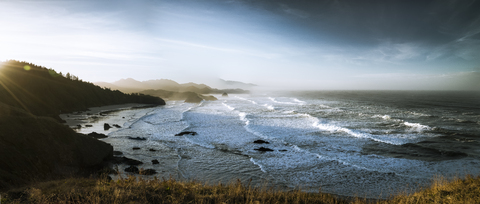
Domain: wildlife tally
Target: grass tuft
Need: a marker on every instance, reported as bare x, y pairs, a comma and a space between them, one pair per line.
138, 190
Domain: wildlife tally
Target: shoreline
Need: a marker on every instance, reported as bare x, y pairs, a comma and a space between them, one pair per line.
90, 120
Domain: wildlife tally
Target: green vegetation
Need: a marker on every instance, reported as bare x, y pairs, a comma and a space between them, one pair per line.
44, 92
134, 190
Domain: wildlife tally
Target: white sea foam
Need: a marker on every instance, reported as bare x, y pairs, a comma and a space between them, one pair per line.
385, 117
269, 107
229, 107
259, 165
324, 106
417, 127
275, 101
299, 101
241, 98
200, 143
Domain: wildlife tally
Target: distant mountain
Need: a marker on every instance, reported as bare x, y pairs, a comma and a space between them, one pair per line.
226, 84
133, 86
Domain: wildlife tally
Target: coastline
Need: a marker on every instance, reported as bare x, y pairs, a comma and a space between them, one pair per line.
91, 120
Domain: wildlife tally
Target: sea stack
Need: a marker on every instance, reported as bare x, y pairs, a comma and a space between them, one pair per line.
225, 94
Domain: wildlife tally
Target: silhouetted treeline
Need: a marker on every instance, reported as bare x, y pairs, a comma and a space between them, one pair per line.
44, 92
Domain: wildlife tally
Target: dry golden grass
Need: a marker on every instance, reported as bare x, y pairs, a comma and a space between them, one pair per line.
134, 190
465, 190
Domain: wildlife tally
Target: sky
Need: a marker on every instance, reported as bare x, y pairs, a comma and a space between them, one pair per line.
283, 44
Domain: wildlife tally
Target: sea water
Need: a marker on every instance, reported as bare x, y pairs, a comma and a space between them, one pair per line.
365, 143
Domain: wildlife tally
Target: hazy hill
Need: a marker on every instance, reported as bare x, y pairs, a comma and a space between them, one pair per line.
132, 86
44, 92
190, 97
227, 84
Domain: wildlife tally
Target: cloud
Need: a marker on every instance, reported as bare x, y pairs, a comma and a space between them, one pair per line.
294, 12
256, 53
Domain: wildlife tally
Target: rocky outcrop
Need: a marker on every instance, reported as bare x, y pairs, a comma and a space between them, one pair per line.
125, 160
225, 94
106, 126
186, 133
261, 142
132, 169
137, 138
97, 135
263, 149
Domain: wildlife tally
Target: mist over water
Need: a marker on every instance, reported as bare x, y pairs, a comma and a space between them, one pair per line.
372, 143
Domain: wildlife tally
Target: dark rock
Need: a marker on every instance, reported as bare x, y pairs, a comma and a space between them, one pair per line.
155, 161
225, 94
261, 142
123, 117
88, 125
117, 153
147, 172
186, 133
137, 138
125, 160
117, 126
152, 150
263, 149
132, 169
136, 148
106, 126
282, 150
79, 126
97, 135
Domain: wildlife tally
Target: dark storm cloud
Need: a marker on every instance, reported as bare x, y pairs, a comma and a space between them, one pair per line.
366, 22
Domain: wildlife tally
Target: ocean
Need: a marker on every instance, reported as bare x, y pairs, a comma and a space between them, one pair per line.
353, 143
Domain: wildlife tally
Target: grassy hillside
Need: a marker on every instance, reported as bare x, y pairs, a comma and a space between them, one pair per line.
44, 92
33, 145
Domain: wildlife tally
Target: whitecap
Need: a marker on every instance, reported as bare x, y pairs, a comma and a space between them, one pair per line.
229, 107
241, 98
417, 127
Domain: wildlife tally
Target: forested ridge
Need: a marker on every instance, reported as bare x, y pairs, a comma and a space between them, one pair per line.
44, 92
